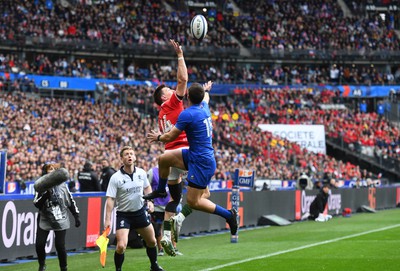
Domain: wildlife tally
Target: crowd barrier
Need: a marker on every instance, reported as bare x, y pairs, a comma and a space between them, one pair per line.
19, 216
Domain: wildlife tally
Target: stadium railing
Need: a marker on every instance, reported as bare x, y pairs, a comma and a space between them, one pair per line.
386, 163
45, 43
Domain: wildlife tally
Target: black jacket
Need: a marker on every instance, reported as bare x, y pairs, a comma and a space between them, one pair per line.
106, 174
318, 204
88, 181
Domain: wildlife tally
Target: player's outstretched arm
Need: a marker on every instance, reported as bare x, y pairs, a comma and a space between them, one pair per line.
207, 87
182, 74
156, 136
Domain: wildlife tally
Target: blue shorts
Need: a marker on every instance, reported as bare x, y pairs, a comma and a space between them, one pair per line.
200, 170
133, 220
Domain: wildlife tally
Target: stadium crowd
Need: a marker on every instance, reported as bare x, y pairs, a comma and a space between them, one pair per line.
367, 133
273, 74
38, 130
313, 24
111, 22
275, 25
34, 130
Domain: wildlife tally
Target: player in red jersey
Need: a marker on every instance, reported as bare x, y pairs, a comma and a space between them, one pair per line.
171, 105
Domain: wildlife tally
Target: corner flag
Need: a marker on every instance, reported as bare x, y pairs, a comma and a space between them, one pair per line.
102, 243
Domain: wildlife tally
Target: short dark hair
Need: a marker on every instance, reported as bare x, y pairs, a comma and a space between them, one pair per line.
88, 166
121, 153
196, 93
157, 94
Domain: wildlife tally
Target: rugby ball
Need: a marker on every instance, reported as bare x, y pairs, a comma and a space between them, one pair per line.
198, 27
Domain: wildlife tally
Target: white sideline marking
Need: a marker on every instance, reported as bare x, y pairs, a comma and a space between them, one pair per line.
300, 248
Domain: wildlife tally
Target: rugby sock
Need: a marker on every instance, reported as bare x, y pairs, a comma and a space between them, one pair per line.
167, 229
222, 212
118, 260
186, 210
175, 190
152, 254
162, 182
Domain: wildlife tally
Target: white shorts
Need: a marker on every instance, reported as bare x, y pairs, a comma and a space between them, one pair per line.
175, 173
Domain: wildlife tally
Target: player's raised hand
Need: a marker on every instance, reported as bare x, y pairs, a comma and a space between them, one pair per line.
207, 86
177, 47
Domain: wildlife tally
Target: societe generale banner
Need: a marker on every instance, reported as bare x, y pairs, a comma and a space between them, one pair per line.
311, 137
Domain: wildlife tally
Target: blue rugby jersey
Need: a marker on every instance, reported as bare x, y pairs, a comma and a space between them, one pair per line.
196, 122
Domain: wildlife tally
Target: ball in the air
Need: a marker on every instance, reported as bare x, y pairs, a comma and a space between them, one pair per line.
198, 27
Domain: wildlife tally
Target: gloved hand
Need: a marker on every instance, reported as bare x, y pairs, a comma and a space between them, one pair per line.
77, 220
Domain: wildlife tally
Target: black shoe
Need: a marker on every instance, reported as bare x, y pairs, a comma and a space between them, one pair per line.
155, 194
156, 268
232, 221
64, 268
42, 267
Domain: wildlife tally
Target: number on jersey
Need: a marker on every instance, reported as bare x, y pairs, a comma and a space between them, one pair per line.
209, 126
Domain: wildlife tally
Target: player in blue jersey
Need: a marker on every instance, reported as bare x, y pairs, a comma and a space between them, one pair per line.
199, 159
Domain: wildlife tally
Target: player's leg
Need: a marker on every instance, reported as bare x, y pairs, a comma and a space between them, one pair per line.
195, 199
176, 194
197, 202
166, 240
177, 220
166, 235
175, 190
199, 176
170, 158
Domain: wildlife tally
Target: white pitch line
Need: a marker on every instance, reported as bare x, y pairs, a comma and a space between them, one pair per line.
299, 248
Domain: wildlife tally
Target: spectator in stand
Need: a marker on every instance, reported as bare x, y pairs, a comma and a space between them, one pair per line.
363, 107
334, 74
88, 179
380, 109
358, 183
333, 184
106, 172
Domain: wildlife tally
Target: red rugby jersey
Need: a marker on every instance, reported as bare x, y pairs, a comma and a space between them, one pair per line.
167, 118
